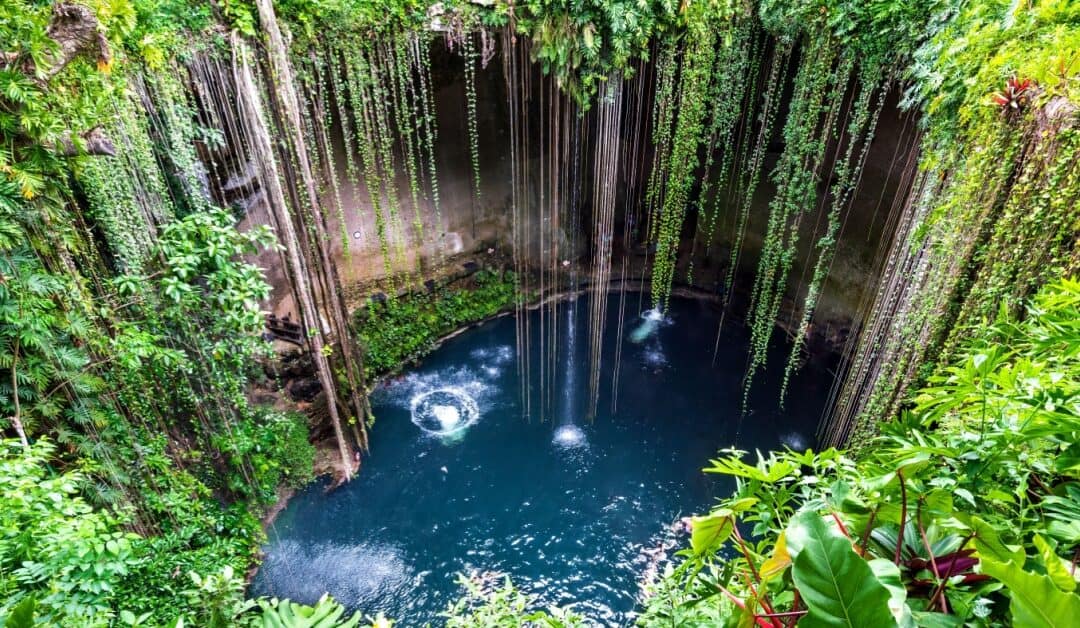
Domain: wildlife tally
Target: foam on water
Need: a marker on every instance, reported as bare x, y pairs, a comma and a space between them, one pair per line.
655, 357
570, 436
444, 411
794, 440
651, 320
448, 416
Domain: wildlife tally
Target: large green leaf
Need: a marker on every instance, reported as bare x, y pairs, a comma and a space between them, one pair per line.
708, 533
1036, 601
888, 574
22, 616
988, 543
1055, 565
838, 586
286, 614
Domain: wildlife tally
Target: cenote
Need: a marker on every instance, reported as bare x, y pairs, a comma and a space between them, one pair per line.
574, 510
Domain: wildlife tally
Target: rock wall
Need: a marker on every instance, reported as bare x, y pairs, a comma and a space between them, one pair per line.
477, 226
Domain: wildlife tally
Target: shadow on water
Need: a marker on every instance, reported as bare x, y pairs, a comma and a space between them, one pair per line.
573, 510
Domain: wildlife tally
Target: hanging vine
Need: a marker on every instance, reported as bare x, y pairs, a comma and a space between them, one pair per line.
471, 57
695, 79
845, 176
805, 138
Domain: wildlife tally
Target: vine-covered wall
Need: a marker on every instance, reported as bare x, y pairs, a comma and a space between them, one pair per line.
753, 148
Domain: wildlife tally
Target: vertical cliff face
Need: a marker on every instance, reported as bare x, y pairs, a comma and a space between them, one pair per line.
779, 173
471, 223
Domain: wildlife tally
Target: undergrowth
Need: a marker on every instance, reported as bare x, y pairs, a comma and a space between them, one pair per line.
402, 329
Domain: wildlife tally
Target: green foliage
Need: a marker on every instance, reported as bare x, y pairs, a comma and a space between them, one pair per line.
582, 44
407, 327
485, 604
837, 585
992, 224
38, 352
1036, 599
54, 548
709, 24
127, 337
216, 601
325, 614
982, 45
274, 446
960, 512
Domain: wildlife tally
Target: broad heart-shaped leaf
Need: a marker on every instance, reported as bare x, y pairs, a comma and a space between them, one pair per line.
1055, 565
838, 586
779, 561
1036, 602
708, 533
987, 542
889, 575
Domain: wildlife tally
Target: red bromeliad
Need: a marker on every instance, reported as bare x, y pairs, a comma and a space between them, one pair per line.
1016, 94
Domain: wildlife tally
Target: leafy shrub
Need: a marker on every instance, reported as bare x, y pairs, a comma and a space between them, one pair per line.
407, 327
265, 451
53, 547
963, 511
504, 606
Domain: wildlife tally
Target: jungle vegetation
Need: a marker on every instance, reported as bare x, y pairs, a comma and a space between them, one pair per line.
135, 465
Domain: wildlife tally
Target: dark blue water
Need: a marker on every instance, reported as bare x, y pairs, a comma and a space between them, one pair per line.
573, 510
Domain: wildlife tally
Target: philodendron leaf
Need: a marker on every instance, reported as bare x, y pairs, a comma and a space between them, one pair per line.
889, 575
838, 586
708, 533
1036, 602
1055, 565
987, 542
779, 561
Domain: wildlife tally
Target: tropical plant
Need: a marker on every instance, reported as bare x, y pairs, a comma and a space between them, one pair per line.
961, 511
406, 328
486, 603
59, 558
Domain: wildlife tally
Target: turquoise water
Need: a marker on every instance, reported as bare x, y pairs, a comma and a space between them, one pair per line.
458, 480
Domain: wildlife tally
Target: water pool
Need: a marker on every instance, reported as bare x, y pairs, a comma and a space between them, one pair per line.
573, 510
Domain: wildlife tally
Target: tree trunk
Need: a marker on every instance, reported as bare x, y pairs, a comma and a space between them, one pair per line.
284, 85
16, 421
263, 152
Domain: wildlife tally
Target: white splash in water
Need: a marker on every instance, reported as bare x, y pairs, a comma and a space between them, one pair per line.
402, 391
448, 416
650, 321
655, 357
570, 436
444, 411
353, 573
794, 440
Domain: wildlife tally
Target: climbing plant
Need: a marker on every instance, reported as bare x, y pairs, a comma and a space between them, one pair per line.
963, 511
706, 27
989, 148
